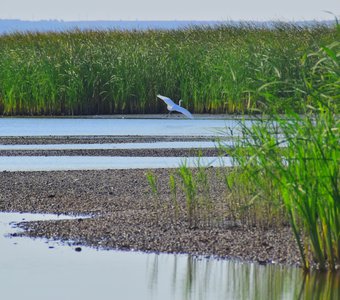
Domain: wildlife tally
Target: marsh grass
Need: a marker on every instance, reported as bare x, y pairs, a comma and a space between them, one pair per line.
185, 201
304, 175
213, 198
195, 184
250, 204
215, 69
300, 165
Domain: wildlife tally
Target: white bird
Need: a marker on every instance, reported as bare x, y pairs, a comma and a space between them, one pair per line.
174, 107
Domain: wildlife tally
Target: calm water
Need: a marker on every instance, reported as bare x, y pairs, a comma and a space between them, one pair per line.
109, 126
40, 269
118, 127
59, 163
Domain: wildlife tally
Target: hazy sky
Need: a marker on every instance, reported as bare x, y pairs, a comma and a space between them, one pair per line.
223, 10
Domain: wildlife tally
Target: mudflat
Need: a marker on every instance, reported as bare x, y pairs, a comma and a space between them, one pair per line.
125, 214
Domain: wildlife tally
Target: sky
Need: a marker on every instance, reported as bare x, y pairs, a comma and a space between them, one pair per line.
220, 10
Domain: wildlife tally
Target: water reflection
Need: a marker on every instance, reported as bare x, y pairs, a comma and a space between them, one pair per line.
43, 269
320, 286
199, 278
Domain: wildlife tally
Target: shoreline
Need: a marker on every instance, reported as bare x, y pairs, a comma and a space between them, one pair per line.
155, 152
125, 213
100, 139
115, 152
126, 217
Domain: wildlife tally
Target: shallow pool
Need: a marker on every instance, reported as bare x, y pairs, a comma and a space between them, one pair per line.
117, 127
63, 163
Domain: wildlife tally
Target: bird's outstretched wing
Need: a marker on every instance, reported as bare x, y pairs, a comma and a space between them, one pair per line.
167, 100
182, 110
172, 106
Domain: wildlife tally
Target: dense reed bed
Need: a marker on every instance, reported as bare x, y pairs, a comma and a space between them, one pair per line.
213, 69
295, 161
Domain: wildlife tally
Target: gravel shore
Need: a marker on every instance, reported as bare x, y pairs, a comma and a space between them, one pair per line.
124, 213
125, 216
98, 139
53, 140
115, 152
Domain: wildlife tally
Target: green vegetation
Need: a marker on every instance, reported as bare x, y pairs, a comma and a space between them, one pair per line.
296, 159
287, 168
192, 185
214, 69
303, 174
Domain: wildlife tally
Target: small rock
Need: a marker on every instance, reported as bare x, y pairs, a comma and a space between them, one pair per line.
262, 262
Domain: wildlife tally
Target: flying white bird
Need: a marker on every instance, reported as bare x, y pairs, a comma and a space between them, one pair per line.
174, 107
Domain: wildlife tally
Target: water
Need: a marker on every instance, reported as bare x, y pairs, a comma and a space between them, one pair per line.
41, 269
117, 127
59, 163
109, 126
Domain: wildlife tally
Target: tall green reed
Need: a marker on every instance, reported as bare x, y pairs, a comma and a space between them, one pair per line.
189, 198
215, 69
297, 156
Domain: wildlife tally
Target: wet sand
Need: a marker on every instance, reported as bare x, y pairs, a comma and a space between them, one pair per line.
127, 216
